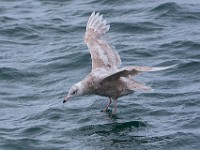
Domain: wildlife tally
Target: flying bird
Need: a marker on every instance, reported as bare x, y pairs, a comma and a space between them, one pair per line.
106, 77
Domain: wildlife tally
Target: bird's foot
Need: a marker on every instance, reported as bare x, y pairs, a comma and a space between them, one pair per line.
113, 116
105, 110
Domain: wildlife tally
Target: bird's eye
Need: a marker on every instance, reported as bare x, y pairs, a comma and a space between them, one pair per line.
74, 92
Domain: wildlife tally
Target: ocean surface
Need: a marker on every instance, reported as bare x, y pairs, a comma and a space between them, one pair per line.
42, 54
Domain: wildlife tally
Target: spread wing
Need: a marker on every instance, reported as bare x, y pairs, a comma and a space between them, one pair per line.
102, 53
132, 71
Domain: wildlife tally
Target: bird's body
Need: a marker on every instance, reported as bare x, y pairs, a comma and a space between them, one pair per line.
114, 89
106, 77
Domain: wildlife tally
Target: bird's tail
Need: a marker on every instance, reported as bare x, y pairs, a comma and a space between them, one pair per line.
137, 86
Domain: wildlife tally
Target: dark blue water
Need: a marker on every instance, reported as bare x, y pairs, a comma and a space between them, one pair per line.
42, 54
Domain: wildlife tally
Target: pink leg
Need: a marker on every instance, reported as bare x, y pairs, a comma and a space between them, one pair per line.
110, 102
115, 107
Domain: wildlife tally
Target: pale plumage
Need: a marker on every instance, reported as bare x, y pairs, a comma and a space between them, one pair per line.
103, 54
106, 78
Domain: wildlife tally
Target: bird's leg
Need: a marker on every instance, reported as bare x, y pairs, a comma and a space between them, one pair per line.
110, 102
115, 107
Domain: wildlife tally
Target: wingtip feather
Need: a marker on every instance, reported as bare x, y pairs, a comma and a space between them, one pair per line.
162, 68
97, 23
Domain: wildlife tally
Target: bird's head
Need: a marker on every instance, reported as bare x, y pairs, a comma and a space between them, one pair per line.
74, 91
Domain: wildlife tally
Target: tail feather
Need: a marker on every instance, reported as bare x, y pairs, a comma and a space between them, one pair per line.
137, 86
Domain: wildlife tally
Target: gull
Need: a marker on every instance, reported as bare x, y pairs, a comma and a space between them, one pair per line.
106, 77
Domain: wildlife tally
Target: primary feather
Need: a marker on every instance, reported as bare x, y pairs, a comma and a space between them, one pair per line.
102, 53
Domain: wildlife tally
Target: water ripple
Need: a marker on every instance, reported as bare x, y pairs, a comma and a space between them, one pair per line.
43, 54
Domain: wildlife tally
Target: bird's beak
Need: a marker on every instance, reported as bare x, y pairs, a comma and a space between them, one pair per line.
65, 99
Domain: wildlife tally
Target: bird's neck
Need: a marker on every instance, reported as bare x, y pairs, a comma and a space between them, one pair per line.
87, 85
